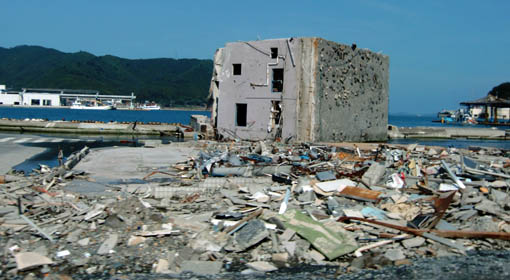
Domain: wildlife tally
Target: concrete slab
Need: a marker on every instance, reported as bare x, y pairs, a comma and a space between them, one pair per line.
128, 162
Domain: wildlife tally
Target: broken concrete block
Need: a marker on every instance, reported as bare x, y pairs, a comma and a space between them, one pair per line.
353, 213
444, 225
394, 254
108, 244
330, 241
464, 215
325, 176
27, 260
290, 247
83, 242
488, 206
484, 223
307, 196
371, 212
316, 256
287, 235
413, 242
135, 240
499, 184
201, 267
280, 257
201, 245
262, 266
335, 185
261, 197
374, 174
252, 233
162, 266
74, 235
501, 198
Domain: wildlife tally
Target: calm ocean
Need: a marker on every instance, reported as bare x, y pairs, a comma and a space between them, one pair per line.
183, 116
164, 116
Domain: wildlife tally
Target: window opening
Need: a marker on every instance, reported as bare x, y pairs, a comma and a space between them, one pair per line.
237, 68
276, 111
241, 114
35, 102
277, 84
275, 119
47, 102
274, 53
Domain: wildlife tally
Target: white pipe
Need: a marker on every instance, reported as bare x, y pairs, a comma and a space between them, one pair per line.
267, 72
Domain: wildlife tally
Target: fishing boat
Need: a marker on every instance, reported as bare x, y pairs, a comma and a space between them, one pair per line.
150, 106
78, 104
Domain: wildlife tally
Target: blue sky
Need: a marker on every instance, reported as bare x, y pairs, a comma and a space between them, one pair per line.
441, 52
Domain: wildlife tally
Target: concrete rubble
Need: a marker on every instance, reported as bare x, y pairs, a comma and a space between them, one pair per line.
256, 207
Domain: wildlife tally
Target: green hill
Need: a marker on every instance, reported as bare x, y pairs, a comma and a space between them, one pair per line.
502, 91
167, 81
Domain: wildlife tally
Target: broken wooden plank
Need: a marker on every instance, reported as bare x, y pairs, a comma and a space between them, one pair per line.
360, 194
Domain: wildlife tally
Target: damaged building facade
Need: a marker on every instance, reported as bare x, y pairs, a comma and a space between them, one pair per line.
304, 89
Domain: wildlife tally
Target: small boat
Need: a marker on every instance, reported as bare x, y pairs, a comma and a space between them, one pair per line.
150, 106
79, 105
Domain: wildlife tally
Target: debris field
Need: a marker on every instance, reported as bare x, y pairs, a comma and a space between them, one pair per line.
256, 207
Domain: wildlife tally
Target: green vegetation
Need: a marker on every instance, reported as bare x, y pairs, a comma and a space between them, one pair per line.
170, 82
501, 91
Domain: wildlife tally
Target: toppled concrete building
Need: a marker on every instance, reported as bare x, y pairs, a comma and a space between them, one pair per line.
304, 89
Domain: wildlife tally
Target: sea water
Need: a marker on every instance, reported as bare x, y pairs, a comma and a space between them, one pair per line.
183, 117
52, 114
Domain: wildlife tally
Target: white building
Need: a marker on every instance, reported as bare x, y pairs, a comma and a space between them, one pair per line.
9, 98
31, 98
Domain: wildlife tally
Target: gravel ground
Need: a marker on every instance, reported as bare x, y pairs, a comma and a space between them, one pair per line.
476, 265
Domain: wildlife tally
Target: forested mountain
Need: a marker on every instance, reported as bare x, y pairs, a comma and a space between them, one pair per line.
167, 81
502, 91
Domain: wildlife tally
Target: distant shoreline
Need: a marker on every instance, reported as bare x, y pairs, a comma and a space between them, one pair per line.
185, 108
202, 109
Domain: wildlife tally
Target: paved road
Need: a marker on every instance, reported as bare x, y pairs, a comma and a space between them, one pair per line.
16, 148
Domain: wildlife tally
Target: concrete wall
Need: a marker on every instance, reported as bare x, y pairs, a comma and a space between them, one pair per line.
306, 115
352, 93
253, 87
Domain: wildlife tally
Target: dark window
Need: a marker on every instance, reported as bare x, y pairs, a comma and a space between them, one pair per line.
241, 112
277, 84
16, 103
274, 52
237, 68
35, 102
47, 102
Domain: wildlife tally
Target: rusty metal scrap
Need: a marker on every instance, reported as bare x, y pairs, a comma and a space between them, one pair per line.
442, 233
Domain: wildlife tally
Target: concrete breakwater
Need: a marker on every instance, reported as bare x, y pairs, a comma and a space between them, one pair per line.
90, 128
394, 132
422, 132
